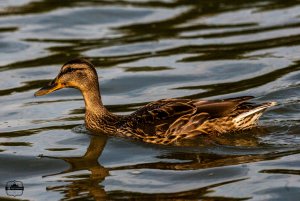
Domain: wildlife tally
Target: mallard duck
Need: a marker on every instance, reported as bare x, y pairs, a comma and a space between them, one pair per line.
160, 122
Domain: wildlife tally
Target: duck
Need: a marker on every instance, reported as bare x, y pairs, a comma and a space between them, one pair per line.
165, 121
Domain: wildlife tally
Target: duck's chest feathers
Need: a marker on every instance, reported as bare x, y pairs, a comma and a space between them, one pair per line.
100, 123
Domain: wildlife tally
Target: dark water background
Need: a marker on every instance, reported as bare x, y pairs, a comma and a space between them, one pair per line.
144, 51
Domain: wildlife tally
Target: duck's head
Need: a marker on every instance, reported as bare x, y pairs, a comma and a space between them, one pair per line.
76, 73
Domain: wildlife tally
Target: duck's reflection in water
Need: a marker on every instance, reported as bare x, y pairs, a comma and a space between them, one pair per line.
82, 180
83, 185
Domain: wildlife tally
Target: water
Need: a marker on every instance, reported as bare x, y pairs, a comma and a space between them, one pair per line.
144, 51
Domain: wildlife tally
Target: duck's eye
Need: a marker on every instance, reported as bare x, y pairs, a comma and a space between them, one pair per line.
68, 70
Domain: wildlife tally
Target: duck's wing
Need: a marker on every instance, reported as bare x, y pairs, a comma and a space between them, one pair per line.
168, 109
169, 117
221, 108
155, 118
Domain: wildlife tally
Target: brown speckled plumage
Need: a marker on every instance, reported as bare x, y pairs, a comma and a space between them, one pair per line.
161, 122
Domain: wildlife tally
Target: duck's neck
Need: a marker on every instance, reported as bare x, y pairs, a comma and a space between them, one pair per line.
93, 102
97, 117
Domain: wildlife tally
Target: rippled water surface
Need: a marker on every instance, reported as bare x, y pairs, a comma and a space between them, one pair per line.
147, 50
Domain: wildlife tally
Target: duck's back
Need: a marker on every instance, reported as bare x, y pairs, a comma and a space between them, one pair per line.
168, 120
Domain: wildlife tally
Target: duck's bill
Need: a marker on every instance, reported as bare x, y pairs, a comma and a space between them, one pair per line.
48, 89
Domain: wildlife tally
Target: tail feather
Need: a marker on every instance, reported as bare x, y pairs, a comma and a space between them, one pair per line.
250, 117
